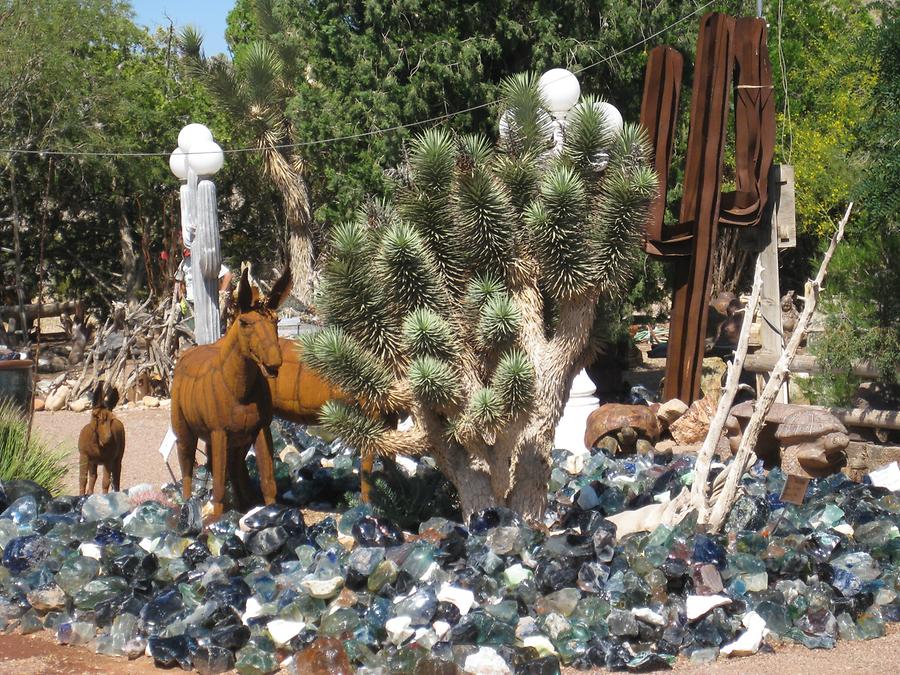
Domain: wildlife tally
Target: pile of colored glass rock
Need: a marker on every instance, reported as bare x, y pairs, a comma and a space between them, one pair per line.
134, 573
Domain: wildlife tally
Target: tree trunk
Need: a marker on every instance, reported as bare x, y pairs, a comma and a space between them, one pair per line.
300, 259
528, 495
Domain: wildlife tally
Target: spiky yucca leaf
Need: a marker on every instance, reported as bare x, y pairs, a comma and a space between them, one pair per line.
426, 333
432, 159
521, 177
432, 216
559, 234
351, 241
587, 136
348, 298
483, 287
623, 208
486, 221
486, 408
433, 381
346, 363
261, 68
354, 426
407, 270
472, 151
526, 125
513, 381
376, 213
630, 149
499, 322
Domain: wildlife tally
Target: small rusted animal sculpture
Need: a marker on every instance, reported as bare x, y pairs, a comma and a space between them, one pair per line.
101, 443
812, 443
616, 427
220, 394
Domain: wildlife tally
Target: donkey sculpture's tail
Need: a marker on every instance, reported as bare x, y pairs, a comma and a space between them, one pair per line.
220, 395
101, 443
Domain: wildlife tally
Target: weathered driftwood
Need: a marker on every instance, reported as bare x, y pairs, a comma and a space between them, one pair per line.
806, 363
220, 395
699, 499
728, 496
850, 417
32, 311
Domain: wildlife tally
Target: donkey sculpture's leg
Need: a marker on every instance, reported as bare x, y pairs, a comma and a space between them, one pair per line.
266, 465
92, 476
82, 474
106, 477
240, 478
218, 457
117, 473
366, 465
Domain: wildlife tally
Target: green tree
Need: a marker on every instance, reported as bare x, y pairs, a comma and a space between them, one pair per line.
377, 65
863, 300
470, 299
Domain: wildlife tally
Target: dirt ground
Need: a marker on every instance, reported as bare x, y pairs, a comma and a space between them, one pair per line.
144, 430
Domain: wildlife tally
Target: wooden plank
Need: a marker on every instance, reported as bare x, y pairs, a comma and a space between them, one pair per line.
784, 209
762, 362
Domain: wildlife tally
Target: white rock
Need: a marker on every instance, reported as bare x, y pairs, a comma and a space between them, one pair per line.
282, 630
407, 464
698, 605
844, 528
90, 551
80, 405
441, 628
574, 462
398, 630
750, 640
486, 661
541, 643
149, 545
252, 609
671, 410
323, 588
286, 451
647, 615
886, 477
150, 402
461, 597
57, 400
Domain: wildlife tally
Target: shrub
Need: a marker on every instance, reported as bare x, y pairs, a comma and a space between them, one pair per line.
27, 458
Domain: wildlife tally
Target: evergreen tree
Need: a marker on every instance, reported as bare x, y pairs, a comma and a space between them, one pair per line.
469, 300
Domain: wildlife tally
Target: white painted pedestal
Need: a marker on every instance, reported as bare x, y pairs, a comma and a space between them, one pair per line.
581, 403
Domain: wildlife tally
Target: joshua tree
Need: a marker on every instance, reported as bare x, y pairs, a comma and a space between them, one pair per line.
470, 300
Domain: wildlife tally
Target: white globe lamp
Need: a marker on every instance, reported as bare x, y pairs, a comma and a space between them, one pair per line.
206, 157
191, 134
560, 90
611, 115
177, 164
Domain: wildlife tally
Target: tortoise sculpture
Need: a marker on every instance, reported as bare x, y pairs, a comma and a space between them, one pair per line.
812, 443
615, 427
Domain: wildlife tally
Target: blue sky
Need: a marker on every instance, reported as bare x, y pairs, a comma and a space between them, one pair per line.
207, 15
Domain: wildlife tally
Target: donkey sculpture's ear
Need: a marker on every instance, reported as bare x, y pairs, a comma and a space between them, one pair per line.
245, 293
112, 397
97, 397
280, 290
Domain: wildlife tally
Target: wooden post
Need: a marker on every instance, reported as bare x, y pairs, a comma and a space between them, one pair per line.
771, 330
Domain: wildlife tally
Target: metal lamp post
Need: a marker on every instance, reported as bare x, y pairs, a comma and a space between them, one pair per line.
196, 159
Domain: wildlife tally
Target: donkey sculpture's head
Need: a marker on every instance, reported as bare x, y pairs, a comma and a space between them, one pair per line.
101, 411
257, 323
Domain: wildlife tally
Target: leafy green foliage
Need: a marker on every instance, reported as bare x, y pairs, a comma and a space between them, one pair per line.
427, 333
433, 381
862, 295
29, 459
499, 322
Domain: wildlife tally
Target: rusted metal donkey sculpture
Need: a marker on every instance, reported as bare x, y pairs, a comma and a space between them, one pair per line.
101, 443
220, 394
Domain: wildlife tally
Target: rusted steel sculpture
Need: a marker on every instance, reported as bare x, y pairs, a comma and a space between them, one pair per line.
220, 394
298, 394
725, 45
101, 443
